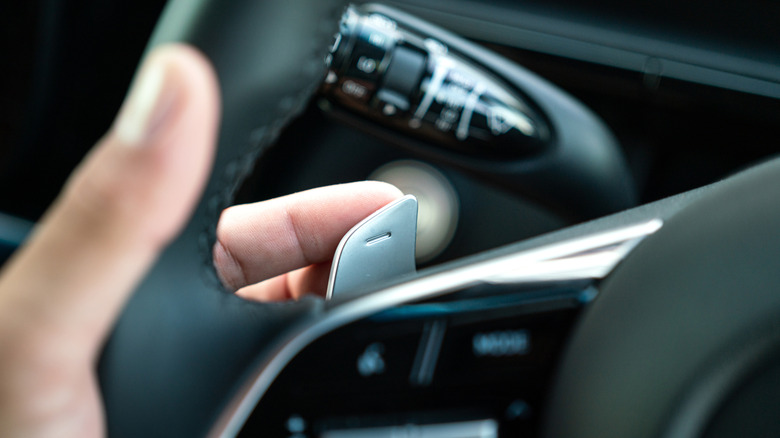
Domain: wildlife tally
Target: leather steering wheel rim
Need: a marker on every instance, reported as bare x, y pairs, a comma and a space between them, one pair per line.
684, 338
182, 344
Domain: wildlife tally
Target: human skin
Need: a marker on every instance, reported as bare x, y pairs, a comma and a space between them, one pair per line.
61, 293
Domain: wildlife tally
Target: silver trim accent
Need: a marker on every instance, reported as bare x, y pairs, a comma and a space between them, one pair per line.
462, 429
427, 353
594, 263
379, 248
462, 133
589, 257
443, 65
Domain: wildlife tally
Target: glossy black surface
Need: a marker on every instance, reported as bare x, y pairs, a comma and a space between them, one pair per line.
416, 85
487, 357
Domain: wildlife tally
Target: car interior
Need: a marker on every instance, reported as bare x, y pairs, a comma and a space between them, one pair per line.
594, 195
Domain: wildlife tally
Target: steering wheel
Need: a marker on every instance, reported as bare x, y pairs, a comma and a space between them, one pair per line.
183, 342
683, 329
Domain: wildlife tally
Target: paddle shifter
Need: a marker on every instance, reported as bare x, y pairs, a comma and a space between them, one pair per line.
455, 102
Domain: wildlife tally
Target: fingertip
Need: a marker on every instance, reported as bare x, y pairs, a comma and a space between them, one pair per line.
155, 159
126, 201
193, 68
172, 80
384, 189
229, 270
271, 237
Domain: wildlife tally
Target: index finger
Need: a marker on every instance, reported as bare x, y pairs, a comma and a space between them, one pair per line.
259, 241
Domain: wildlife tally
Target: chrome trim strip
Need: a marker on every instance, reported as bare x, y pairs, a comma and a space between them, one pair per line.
594, 263
473, 429
589, 257
443, 65
462, 131
427, 353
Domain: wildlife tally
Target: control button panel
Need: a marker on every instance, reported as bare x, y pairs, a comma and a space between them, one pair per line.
504, 349
417, 86
482, 362
379, 357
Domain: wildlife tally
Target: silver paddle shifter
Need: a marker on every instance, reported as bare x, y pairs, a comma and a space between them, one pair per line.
379, 248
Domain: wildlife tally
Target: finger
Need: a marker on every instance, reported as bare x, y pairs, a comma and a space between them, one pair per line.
124, 203
259, 241
312, 279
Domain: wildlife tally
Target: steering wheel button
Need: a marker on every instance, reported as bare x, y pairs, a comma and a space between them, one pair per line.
356, 90
366, 66
516, 349
366, 60
365, 356
501, 343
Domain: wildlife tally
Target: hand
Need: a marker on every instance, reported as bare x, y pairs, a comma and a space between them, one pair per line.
62, 292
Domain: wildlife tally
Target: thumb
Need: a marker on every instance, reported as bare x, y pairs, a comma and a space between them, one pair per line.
124, 203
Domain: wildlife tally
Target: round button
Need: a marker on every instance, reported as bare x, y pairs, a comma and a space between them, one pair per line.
438, 206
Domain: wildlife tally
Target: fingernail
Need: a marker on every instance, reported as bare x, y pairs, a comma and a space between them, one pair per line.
144, 108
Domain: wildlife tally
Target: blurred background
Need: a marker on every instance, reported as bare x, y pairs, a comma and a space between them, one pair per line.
690, 89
